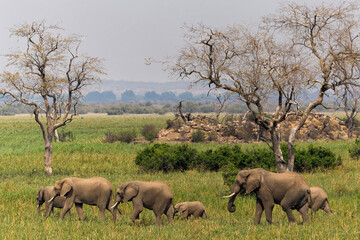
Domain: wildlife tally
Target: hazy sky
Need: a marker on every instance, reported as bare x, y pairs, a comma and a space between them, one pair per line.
125, 32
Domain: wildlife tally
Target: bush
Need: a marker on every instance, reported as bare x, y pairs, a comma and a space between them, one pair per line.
127, 135
149, 132
66, 136
165, 157
198, 136
354, 149
230, 159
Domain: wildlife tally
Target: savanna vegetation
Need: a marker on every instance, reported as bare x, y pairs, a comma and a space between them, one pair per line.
87, 155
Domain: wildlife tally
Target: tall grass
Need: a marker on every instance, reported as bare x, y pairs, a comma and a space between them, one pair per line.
22, 173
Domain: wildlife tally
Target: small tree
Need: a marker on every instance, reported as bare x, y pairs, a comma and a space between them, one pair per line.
348, 101
48, 75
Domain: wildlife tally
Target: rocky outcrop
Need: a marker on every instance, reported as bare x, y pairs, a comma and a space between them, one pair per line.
243, 129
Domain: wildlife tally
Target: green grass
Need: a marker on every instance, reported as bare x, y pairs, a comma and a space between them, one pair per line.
22, 173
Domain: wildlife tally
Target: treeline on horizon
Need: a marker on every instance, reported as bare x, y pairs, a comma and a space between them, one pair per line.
129, 96
141, 108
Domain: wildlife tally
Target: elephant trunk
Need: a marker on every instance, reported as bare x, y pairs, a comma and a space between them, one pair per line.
231, 207
38, 209
234, 191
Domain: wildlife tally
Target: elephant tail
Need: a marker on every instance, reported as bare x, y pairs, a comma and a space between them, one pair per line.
309, 197
173, 206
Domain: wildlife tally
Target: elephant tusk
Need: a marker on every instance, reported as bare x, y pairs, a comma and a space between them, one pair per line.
38, 206
229, 195
51, 199
115, 204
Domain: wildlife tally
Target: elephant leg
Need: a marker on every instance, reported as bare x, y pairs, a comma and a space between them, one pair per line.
268, 211
67, 207
304, 211
170, 215
79, 210
327, 208
197, 214
258, 211
48, 208
290, 215
136, 211
286, 206
158, 219
102, 212
316, 206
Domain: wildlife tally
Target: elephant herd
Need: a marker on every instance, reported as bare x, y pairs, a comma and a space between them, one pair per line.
289, 190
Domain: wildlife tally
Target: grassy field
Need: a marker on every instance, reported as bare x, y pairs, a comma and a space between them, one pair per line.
22, 174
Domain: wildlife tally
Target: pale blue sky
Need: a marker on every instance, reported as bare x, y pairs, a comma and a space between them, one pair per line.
125, 32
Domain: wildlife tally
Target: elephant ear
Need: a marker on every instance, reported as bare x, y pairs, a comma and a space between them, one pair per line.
65, 187
130, 191
182, 208
40, 194
252, 182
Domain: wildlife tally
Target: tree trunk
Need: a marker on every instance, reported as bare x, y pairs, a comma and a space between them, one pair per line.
279, 158
48, 156
350, 126
291, 150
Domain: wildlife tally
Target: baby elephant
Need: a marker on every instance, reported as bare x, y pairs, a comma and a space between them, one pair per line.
44, 195
190, 208
319, 200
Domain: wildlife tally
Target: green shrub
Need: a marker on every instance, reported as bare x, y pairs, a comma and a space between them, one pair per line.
149, 132
230, 159
198, 136
66, 136
315, 158
354, 149
165, 157
126, 135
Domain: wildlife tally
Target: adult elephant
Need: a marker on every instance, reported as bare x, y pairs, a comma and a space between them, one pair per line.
44, 195
92, 191
155, 196
289, 190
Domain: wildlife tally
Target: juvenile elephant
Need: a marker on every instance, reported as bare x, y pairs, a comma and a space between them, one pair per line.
44, 195
319, 200
289, 190
92, 191
190, 208
155, 196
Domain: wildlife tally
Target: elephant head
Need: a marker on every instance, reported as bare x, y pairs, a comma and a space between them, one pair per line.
63, 188
180, 207
246, 181
126, 192
40, 199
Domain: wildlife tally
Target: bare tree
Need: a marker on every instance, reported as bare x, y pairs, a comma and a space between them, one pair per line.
348, 100
328, 35
249, 64
48, 75
300, 48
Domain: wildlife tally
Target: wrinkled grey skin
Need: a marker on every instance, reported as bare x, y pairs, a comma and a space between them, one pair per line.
190, 208
155, 196
92, 191
44, 195
289, 190
319, 200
